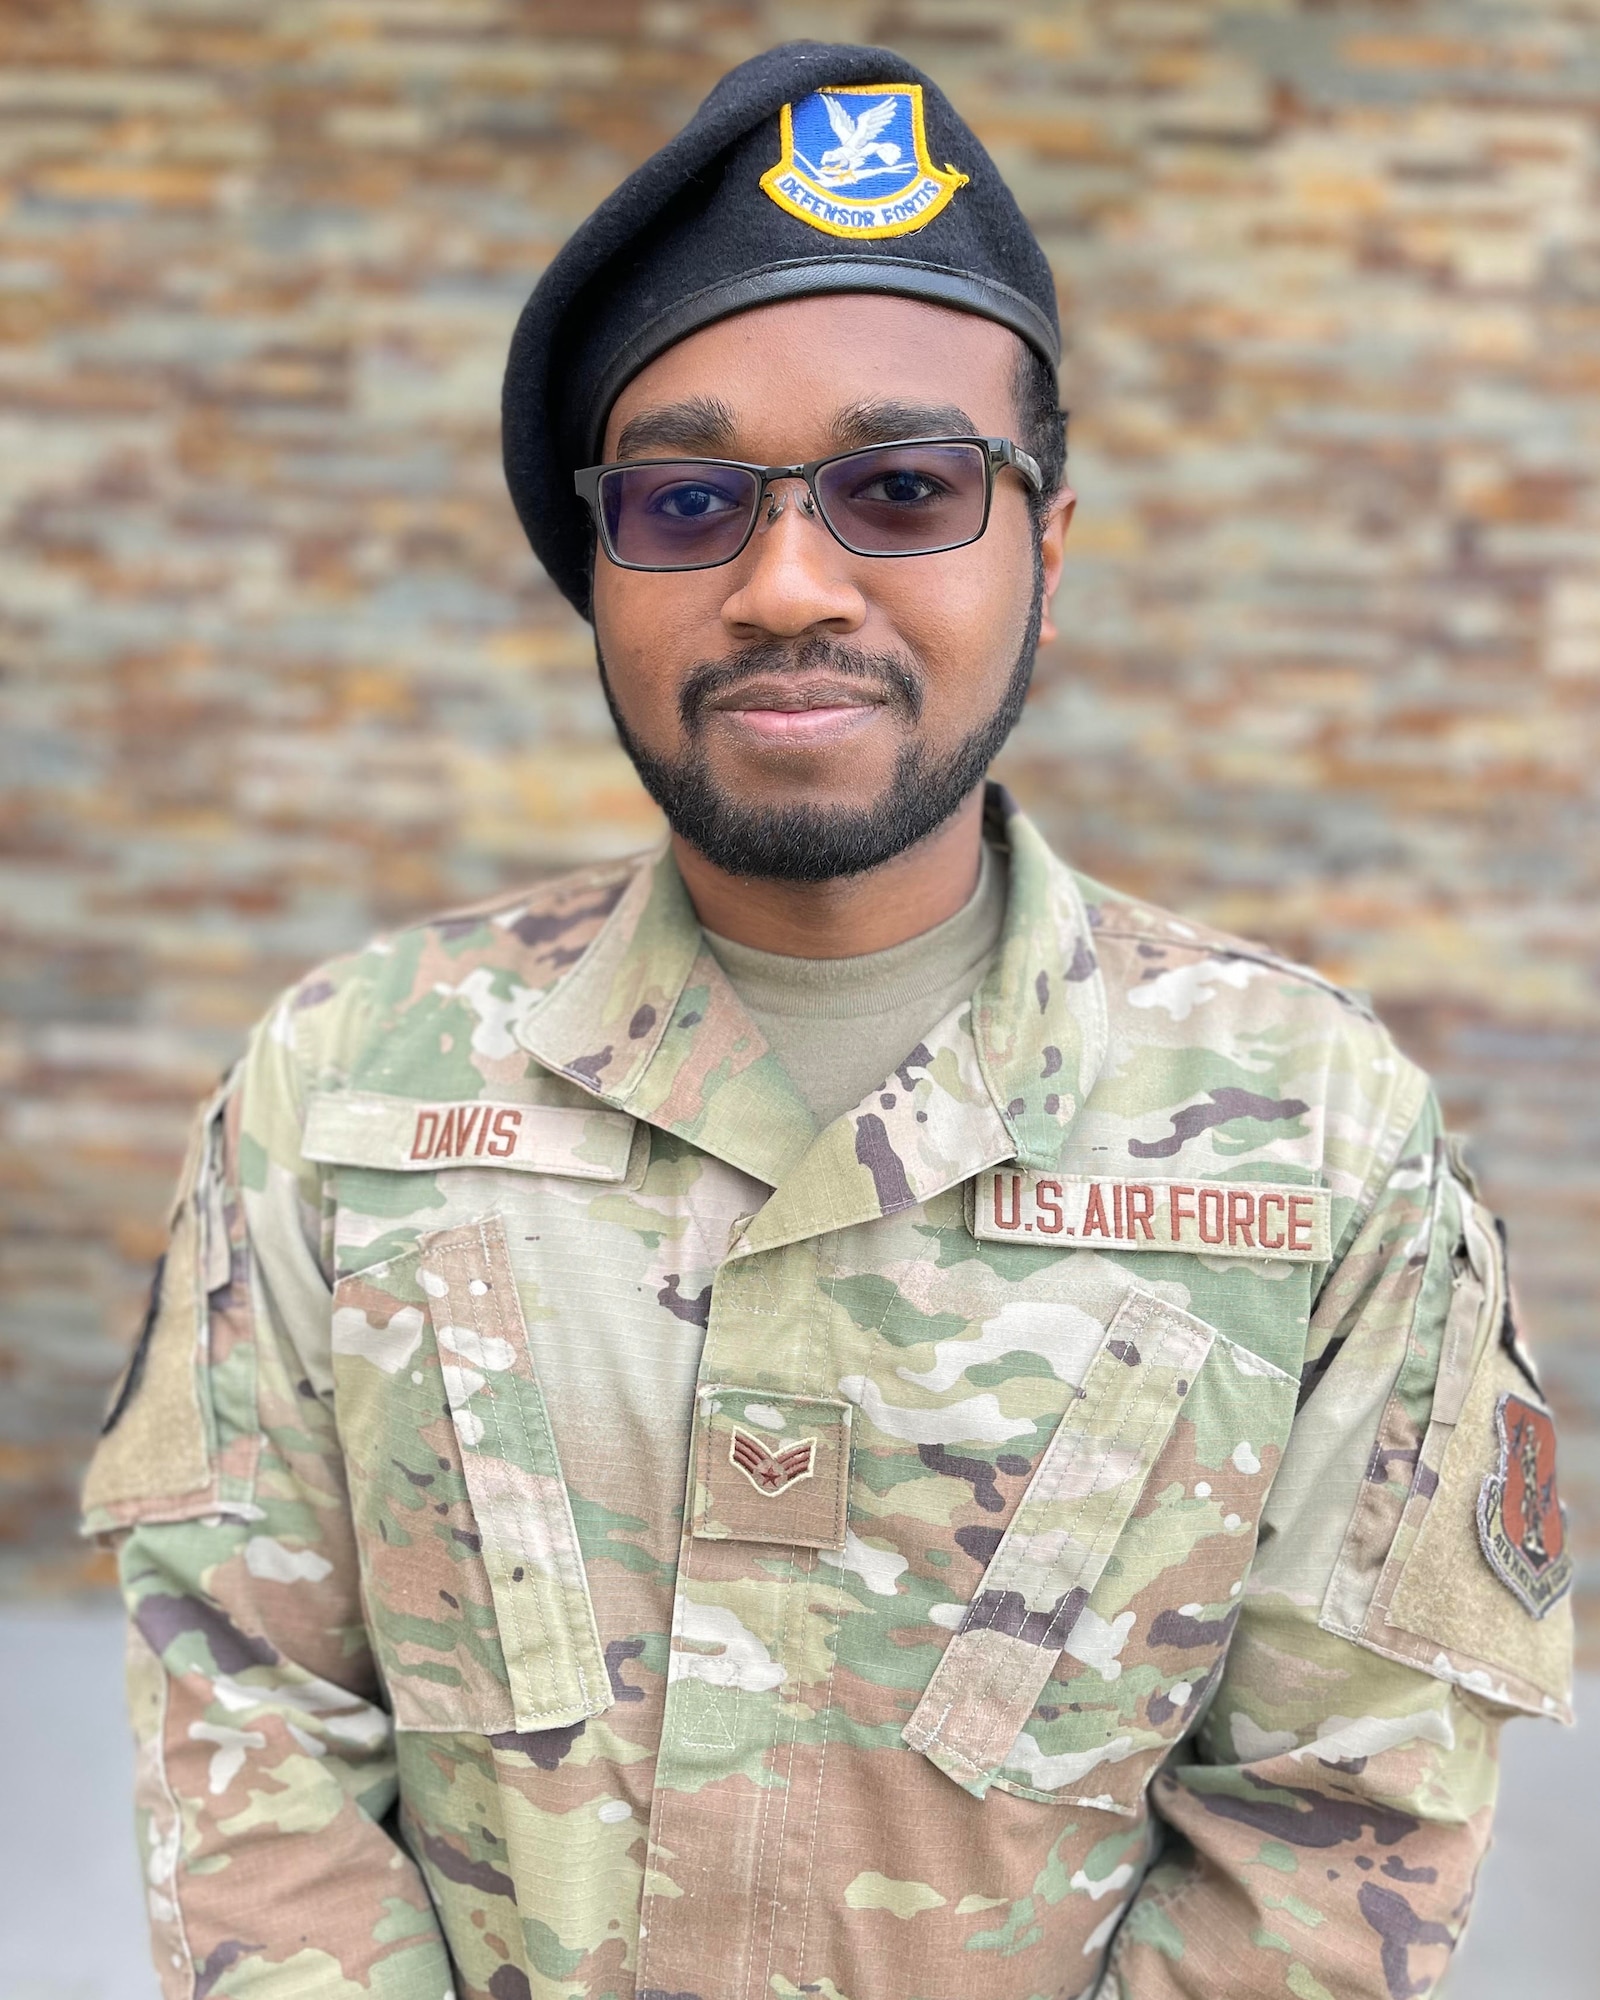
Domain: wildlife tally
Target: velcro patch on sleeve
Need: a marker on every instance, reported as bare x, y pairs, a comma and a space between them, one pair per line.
1475, 1583
1478, 1590
406, 1135
1254, 1219
154, 1460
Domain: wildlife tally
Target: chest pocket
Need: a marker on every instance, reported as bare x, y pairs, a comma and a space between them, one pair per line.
473, 1577
1103, 1615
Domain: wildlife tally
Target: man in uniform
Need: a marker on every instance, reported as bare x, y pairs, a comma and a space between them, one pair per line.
834, 1409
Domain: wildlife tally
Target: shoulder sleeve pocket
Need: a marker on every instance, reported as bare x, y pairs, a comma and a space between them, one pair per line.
1475, 1586
156, 1459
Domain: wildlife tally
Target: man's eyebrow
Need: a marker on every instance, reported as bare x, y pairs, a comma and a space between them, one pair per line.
698, 424
705, 424
883, 423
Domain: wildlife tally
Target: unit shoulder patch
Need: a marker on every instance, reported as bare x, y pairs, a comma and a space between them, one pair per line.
854, 162
1522, 1524
1254, 1219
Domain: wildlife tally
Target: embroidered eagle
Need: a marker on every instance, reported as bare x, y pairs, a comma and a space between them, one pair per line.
771, 1472
858, 141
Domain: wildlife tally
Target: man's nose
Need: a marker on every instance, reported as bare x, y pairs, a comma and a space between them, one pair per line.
795, 576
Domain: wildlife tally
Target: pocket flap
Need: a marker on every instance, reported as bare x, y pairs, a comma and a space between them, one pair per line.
354, 1128
1078, 1502
530, 1548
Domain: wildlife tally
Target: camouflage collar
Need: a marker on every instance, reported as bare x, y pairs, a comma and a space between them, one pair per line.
647, 1021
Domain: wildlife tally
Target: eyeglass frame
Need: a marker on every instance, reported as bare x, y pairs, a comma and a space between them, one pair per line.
998, 454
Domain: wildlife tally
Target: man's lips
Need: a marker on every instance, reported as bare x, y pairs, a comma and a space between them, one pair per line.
793, 694
803, 709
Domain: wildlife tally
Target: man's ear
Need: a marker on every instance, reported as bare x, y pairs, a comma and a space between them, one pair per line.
1052, 553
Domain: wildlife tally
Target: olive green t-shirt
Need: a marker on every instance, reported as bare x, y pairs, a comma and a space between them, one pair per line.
840, 1025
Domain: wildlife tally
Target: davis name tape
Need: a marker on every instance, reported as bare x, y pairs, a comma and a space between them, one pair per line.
402, 1135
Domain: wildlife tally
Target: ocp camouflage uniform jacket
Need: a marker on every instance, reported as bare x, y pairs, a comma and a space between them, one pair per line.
585, 1535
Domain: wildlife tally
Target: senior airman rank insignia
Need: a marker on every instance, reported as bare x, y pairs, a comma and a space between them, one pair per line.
855, 162
1521, 1521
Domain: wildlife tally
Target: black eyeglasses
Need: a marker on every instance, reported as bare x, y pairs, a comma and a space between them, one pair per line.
918, 497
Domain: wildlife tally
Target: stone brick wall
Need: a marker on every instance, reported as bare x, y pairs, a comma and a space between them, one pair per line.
277, 667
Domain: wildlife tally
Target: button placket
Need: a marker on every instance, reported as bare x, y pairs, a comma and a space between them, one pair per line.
759, 1376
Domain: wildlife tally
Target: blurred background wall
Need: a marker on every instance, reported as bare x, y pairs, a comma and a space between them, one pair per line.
277, 668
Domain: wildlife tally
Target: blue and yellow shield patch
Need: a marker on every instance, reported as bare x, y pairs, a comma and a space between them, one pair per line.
855, 162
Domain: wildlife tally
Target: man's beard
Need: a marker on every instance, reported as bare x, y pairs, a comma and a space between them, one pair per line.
815, 843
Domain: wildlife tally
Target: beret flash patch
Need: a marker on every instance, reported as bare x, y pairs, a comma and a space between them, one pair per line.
1521, 1521
855, 162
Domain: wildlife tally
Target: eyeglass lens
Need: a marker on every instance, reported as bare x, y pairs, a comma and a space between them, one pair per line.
687, 514
889, 500
905, 499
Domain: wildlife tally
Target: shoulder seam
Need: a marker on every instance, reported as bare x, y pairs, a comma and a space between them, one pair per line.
488, 908
1408, 1107
1221, 947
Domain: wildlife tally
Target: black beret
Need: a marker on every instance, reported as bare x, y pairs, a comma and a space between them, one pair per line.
816, 167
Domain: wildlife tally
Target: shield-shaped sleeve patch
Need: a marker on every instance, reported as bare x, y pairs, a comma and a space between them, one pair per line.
1522, 1524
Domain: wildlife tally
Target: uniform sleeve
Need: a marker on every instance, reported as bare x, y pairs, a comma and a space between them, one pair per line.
1322, 1831
266, 1775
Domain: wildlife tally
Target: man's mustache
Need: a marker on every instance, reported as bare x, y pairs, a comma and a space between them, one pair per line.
901, 687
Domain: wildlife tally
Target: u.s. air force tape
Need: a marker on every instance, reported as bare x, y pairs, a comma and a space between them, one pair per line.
1202, 1218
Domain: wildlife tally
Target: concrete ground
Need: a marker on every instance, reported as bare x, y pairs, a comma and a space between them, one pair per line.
71, 1926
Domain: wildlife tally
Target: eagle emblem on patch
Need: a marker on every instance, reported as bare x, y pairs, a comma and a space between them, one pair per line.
1522, 1524
854, 162
771, 1472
